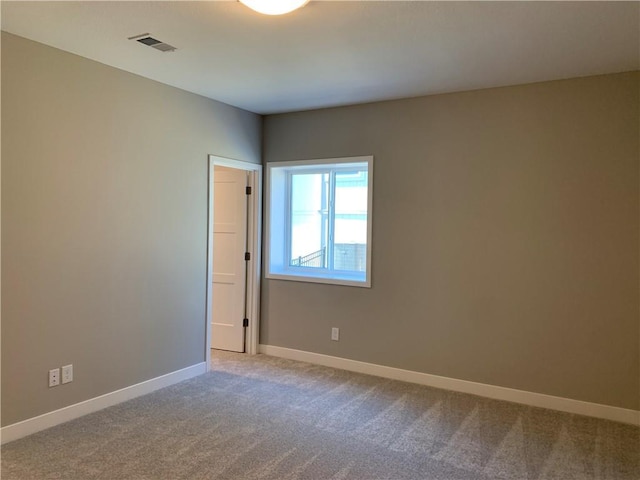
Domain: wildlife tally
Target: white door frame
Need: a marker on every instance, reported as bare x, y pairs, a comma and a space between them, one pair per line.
254, 235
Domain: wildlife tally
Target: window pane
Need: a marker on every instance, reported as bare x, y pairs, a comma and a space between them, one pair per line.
319, 222
309, 220
350, 231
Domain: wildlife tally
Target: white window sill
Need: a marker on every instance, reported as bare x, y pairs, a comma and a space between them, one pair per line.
350, 280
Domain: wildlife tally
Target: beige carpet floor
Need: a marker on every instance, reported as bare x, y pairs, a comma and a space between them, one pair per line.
262, 417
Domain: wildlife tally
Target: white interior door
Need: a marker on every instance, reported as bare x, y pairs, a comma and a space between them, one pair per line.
229, 267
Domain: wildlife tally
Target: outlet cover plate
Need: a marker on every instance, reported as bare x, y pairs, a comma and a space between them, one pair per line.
67, 374
54, 377
335, 334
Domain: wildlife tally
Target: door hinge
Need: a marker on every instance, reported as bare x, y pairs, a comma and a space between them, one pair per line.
247, 256
248, 190
245, 322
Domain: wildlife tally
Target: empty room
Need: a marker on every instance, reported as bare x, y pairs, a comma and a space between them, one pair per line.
320, 240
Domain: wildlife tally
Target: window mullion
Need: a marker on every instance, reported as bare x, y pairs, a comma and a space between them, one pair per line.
324, 205
288, 213
332, 218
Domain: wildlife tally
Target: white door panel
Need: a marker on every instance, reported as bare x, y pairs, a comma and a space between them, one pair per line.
229, 268
225, 253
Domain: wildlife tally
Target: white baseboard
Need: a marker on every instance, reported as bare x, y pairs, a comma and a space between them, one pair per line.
579, 407
50, 419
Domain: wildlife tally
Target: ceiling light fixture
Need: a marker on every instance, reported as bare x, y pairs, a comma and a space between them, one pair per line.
274, 7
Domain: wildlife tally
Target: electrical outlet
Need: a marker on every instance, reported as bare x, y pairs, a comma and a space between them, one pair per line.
335, 334
54, 377
67, 374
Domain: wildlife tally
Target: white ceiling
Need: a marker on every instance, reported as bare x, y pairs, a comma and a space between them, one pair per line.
340, 52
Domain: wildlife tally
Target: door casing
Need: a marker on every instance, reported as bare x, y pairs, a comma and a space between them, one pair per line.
254, 235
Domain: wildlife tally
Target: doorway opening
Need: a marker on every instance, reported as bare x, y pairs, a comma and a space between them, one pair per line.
233, 256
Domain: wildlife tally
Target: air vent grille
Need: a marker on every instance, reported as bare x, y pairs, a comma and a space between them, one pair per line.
164, 47
147, 39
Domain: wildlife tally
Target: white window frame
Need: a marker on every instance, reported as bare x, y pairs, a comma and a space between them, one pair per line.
278, 223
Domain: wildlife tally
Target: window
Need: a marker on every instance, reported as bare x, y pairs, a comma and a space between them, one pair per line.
319, 221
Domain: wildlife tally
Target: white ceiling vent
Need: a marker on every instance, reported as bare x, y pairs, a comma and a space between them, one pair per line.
148, 40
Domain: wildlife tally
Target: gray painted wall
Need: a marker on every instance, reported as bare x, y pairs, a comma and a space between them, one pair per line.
505, 238
104, 214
